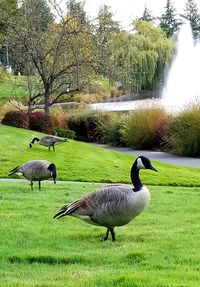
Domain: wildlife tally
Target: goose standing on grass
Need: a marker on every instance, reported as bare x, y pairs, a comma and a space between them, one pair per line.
36, 170
48, 141
113, 205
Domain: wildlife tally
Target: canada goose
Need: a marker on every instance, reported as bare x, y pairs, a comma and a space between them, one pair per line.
48, 141
36, 170
113, 205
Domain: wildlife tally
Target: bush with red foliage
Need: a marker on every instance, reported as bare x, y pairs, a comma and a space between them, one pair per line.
41, 122
16, 119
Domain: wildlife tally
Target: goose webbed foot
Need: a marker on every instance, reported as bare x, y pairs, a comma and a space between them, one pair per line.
111, 230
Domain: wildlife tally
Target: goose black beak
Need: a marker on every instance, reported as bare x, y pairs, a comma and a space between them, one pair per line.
153, 168
61, 213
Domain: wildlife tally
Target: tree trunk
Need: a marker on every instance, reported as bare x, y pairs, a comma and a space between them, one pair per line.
47, 100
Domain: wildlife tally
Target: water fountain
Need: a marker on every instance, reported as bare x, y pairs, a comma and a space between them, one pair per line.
182, 85
183, 82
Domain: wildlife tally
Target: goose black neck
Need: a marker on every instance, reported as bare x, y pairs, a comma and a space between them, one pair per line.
135, 178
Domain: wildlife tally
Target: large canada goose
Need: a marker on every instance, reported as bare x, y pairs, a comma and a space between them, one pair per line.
48, 141
36, 170
113, 205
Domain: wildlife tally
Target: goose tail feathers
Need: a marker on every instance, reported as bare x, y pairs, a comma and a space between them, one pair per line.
14, 170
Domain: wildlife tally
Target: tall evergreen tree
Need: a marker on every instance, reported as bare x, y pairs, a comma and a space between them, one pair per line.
105, 30
147, 15
168, 21
192, 15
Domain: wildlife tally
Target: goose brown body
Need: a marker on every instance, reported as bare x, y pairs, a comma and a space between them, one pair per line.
48, 141
36, 170
113, 205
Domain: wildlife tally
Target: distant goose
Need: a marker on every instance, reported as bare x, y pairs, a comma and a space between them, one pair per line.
36, 170
113, 205
48, 141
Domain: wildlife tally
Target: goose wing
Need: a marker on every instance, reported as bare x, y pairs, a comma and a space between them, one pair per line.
99, 203
51, 139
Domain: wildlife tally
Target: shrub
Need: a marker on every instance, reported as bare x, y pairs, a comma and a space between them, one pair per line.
12, 106
65, 133
111, 126
59, 117
142, 127
16, 119
39, 121
85, 125
184, 132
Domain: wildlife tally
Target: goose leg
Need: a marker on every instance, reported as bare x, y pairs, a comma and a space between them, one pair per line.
39, 182
49, 147
105, 237
53, 147
112, 233
31, 185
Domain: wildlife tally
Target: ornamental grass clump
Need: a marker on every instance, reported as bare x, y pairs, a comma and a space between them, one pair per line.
145, 127
184, 131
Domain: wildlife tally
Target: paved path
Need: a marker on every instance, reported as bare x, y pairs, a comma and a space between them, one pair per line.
158, 155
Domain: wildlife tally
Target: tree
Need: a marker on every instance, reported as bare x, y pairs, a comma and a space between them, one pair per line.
140, 58
147, 16
191, 14
8, 11
76, 10
59, 55
106, 28
168, 21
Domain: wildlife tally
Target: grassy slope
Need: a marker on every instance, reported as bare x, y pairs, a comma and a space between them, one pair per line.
158, 249
82, 162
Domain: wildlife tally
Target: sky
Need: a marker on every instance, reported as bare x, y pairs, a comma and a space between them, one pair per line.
127, 10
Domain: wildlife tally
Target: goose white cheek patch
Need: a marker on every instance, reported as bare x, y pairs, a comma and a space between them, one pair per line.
140, 164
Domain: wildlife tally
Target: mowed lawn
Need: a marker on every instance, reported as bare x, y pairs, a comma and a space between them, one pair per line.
159, 248
78, 161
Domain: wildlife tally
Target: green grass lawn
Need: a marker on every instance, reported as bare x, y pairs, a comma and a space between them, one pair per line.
160, 248
78, 161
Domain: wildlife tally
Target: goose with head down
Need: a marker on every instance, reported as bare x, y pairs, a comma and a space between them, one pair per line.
36, 170
48, 141
113, 205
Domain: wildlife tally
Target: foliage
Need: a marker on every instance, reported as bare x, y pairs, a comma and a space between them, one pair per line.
76, 11
105, 29
142, 127
64, 133
8, 10
39, 121
184, 132
147, 15
141, 58
16, 119
11, 106
168, 20
58, 117
111, 126
85, 125
192, 15
60, 55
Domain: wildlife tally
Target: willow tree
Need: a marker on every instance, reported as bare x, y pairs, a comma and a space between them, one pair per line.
141, 57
